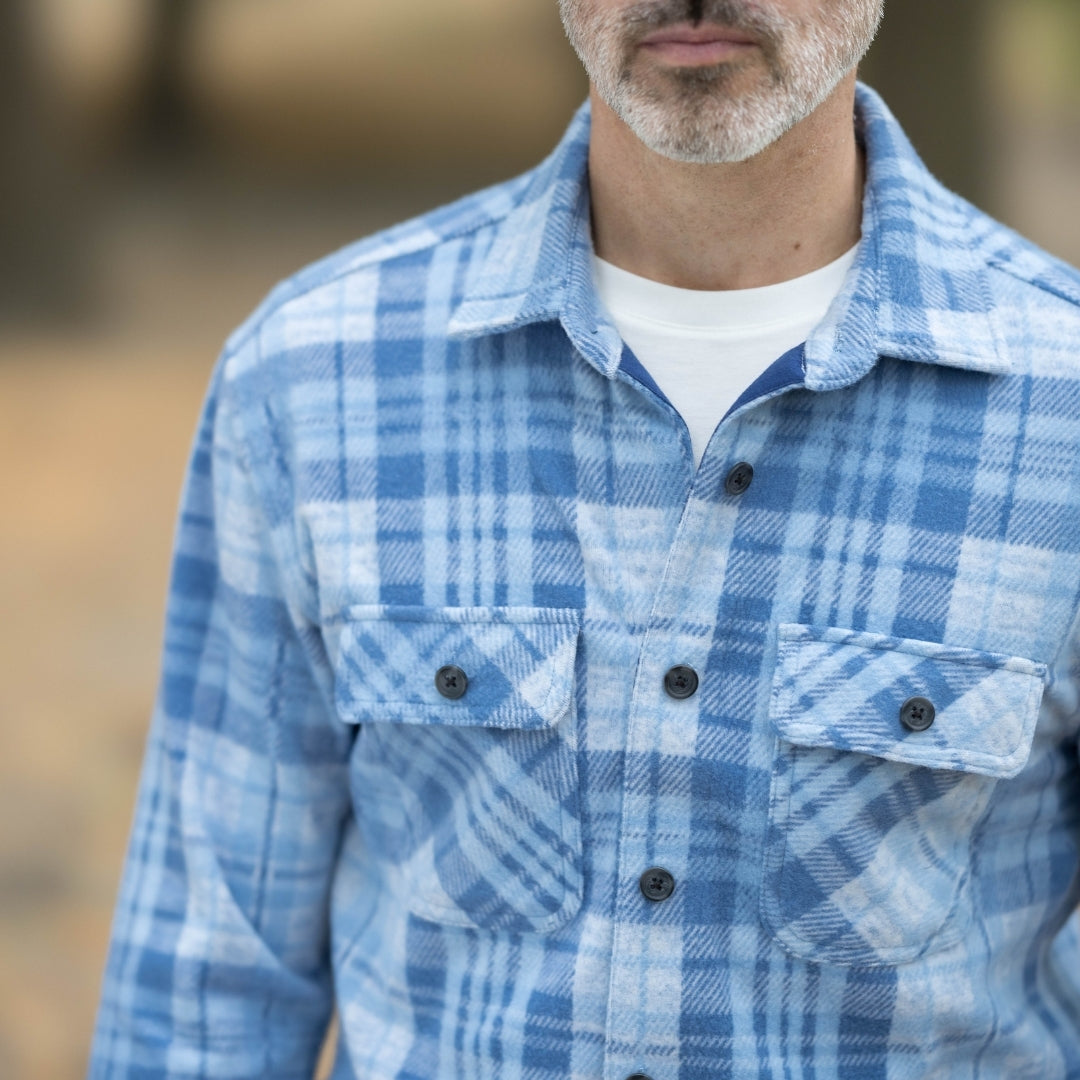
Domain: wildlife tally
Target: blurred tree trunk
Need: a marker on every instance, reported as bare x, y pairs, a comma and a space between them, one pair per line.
167, 116
16, 131
38, 227
928, 65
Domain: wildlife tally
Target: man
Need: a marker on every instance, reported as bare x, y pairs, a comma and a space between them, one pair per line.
547, 751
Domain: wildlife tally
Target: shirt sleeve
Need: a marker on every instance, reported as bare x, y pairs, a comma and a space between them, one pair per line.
218, 965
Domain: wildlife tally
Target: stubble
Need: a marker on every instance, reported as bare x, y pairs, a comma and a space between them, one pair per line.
730, 111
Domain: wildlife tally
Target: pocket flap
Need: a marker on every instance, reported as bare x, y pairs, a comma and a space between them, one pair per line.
844, 689
519, 663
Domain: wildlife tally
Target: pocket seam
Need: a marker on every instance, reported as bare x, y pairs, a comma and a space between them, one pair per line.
952, 753
787, 936
799, 633
558, 721
370, 709
569, 834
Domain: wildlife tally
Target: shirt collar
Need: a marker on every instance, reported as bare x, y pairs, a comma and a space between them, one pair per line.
919, 289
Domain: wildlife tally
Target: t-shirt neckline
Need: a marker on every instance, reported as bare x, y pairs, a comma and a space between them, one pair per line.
642, 300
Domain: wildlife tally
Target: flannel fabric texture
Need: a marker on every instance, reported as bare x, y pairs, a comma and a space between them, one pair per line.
432, 453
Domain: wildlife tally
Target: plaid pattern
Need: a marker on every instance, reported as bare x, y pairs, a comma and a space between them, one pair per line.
484, 822
833, 688
432, 449
883, 886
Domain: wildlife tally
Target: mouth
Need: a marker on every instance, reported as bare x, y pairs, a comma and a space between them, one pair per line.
685, 45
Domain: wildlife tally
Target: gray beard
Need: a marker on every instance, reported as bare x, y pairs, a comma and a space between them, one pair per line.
698, 114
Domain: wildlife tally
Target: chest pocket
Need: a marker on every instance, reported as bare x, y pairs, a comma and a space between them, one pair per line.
464, 773
887, 753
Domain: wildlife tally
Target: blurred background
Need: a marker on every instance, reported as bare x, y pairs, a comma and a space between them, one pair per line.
164, 163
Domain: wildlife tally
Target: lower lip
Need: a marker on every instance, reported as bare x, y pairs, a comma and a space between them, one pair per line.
692, 54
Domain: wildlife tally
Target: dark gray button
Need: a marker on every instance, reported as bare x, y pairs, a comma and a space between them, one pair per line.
656, 884
639, 1076
681, 681
738, 480
451, 682
917, 713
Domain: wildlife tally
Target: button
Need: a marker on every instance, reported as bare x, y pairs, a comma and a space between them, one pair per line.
917, 713
451, 682
656, 884
738, 480
681, 682
639, 1076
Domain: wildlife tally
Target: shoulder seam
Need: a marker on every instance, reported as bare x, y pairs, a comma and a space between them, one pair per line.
291, 289
1000, 246
1006, 266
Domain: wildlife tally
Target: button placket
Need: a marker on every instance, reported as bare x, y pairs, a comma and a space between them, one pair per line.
679, 612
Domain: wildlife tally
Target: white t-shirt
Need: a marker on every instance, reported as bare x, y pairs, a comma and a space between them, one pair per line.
703, 349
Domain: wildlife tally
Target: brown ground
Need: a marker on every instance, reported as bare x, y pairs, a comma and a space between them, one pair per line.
92, 451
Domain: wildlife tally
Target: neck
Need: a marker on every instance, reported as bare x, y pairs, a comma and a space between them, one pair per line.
790, 210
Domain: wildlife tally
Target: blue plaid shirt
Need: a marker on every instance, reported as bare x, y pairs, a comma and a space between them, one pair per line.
418, 738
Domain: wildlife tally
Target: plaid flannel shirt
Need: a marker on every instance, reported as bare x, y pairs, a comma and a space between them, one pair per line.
428, 465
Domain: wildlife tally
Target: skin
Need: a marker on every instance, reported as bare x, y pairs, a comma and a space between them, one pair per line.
787, 211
